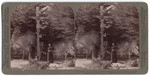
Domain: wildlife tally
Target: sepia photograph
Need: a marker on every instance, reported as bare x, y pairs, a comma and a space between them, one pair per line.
58, 36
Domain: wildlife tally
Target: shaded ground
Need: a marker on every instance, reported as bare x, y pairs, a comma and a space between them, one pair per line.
79, 64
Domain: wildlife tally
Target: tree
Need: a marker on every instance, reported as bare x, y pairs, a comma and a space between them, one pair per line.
126, 22
22, 32
86, 20
60, 26
88, 43
125, 28
58, 21
121, 22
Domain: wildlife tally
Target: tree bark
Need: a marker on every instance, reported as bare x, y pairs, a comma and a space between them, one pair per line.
86, 55
129, 55
101, 11
47, 56
92, 54
38, 31
23, 55
29, 51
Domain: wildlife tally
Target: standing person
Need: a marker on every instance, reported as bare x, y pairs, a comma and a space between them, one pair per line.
50, 54
114, 54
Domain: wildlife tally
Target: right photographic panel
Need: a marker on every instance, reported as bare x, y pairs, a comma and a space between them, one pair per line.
107, 36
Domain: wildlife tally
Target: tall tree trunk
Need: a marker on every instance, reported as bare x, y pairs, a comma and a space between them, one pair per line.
86, 55
65, 56
23, 55
29, 51
29, 55
101, 11
111, 57
92, 54
47, 56
38, 26
75, 56
129, 55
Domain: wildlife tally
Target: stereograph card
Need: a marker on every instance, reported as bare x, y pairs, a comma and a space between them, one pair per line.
75, 38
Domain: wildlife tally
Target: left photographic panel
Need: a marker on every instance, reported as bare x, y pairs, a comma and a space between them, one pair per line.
41, 33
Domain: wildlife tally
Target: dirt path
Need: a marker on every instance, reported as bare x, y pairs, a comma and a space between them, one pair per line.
79, 64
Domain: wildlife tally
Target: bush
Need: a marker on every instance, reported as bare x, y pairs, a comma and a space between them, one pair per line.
135, 64
99, 64
35, 65
70, 63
